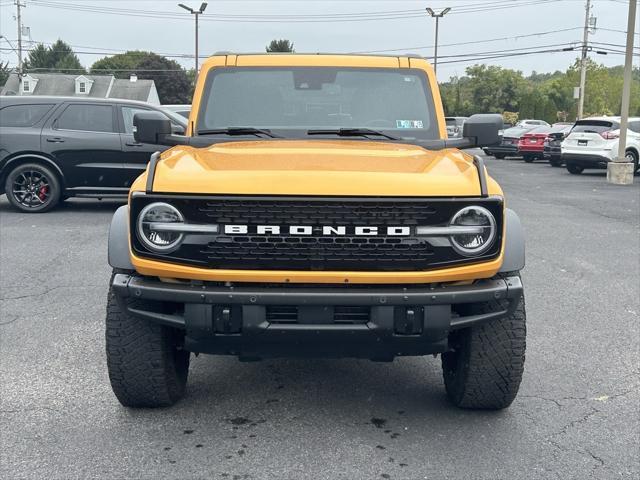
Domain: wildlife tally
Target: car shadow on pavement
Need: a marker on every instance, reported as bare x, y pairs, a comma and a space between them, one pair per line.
70, 205
342, 388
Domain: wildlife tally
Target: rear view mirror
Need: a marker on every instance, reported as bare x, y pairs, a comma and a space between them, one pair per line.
483, 130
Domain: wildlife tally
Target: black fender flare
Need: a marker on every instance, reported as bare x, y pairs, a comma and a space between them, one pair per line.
514, 246
118, 247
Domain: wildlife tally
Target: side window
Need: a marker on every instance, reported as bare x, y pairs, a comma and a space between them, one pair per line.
127, 117
23, 115
90, 118
635, 126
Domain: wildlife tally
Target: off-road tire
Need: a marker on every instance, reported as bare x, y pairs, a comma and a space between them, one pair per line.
53, 185
555, 163
485, 368
574, 169
147, 367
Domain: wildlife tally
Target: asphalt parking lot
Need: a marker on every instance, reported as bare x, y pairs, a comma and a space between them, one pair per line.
577, 415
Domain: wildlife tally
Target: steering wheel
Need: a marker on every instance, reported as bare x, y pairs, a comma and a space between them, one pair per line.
380, 123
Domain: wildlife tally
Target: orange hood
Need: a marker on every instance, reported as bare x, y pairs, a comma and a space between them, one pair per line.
317, 167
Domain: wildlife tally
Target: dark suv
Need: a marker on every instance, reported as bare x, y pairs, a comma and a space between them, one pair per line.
57, 147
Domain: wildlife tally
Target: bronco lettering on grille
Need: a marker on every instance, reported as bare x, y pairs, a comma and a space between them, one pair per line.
324, 230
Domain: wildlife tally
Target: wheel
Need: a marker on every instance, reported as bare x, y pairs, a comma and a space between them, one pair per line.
555, 163
485, 368
147, 367
32, 188
500, 156
632, 157
574, 169
528, 158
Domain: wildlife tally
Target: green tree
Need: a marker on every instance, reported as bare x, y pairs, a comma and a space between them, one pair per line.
547, 96
58, 58
281, 45
495, 89
5, 71
172, 81
193, 78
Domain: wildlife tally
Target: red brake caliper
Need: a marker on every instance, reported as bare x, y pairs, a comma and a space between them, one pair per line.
42, 192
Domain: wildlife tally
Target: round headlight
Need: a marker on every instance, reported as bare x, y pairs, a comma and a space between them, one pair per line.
154, 227
474, 243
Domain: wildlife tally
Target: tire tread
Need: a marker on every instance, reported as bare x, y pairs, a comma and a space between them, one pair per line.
145, 370
486, 370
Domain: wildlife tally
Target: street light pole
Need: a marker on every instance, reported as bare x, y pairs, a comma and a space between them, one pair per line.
196, 13
620, 171
437, 16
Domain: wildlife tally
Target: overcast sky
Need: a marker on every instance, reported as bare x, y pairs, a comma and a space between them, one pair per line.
108, 25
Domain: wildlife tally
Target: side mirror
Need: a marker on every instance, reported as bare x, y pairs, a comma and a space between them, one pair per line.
155, 128
483, 130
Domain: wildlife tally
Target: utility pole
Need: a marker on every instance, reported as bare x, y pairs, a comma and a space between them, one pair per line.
19, 18
437, 16
197, 13
583, 61
620, 171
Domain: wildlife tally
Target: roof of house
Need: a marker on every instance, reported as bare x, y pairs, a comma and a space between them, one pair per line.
125, 88
103, 86
60, 84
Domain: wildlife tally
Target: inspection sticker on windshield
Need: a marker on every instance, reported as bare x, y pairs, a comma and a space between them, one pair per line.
409, 124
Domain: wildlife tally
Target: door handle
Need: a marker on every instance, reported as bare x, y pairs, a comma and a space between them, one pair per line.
133, 144
55, 140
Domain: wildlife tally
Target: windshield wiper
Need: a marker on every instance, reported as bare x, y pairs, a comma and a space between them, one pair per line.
351, 132
239, 131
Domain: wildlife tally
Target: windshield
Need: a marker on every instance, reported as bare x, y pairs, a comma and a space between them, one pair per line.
290, 101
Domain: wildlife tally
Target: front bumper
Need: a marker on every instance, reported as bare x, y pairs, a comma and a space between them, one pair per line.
585, 161
385, 322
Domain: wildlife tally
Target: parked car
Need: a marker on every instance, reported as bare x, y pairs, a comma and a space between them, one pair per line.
184, 110
509, 145
454, 126
531, 123
552, 144
57, 147
531, 144
593, 142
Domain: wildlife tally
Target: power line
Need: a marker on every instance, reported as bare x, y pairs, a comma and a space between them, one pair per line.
291, 18
474, 42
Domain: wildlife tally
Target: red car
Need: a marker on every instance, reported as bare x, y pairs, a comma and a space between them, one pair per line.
531, 144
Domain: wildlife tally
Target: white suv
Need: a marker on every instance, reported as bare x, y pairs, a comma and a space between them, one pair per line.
593, 142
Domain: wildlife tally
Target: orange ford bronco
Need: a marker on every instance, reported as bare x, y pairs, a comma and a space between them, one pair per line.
315, 207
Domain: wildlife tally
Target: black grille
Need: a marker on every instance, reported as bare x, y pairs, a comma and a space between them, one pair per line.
317, 252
